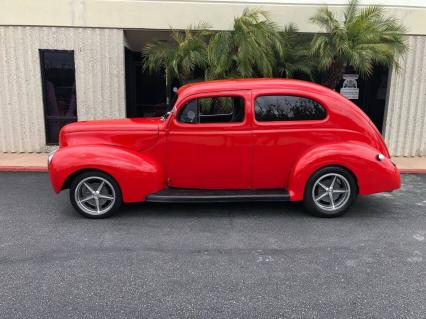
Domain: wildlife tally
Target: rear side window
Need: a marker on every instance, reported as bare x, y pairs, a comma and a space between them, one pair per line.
287, 108
218, 109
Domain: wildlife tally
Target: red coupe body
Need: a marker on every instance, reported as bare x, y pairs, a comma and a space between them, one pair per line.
148, 155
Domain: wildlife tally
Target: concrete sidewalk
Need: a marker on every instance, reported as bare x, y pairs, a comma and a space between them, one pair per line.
23, 161
38, 162
411, 164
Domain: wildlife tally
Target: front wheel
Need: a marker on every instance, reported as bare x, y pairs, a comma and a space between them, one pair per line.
330, 192
95, 194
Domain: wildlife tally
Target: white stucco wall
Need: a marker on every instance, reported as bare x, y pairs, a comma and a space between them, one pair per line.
99, 68
405, 119
93, 29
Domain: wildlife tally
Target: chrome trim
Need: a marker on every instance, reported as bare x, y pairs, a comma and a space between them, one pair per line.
95, 195
50, 157
331, 192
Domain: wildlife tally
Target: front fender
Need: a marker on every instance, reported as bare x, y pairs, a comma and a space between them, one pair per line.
137, 174
372, 175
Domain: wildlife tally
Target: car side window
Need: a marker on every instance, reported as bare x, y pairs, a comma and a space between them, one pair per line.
218, 109
189, 113
287, 108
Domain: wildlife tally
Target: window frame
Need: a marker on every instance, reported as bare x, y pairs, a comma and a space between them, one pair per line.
243, 94
43, 88
316, 97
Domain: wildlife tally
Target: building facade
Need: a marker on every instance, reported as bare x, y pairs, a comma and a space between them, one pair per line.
64, 60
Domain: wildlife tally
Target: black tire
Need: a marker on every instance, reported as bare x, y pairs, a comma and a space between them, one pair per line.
99, 206
327, 195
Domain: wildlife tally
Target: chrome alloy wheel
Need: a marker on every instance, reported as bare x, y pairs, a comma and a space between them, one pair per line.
331, 191
95, 195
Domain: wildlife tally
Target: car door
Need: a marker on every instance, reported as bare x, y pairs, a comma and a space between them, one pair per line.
286, 124
209, 142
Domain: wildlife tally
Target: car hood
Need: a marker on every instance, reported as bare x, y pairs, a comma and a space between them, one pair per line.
138, 124
137, 134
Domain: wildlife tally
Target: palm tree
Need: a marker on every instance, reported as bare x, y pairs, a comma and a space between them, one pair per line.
294, 59
365, 37
179, 58
248, 50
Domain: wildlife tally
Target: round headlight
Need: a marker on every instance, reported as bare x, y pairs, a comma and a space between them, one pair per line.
380, 157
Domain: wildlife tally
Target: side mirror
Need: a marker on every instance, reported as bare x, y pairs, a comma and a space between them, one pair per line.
164, 117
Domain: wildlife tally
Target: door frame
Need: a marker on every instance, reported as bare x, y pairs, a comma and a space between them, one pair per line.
244, 127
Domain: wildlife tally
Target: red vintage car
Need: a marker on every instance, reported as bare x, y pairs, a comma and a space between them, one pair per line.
227, 141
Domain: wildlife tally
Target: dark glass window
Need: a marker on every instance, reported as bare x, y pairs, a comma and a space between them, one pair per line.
59, 94
223, 109
287, 108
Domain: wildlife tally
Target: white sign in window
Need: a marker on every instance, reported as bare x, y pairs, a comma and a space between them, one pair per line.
350, 86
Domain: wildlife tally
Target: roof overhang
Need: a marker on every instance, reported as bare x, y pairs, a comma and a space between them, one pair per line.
162, 15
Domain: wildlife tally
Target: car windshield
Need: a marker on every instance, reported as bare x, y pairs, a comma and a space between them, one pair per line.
170, 106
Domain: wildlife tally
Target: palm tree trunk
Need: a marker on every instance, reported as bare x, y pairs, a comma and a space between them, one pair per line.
333, 76
167, 78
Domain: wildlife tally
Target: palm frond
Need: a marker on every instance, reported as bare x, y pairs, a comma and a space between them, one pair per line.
366, 37
351, 11
182, 55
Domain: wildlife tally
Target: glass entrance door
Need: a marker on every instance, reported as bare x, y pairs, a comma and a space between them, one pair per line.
59, 91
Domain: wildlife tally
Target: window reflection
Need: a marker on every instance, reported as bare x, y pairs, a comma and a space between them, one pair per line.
219, 109
60, 102
287, 108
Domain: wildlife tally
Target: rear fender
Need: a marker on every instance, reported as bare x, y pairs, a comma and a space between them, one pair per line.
372, 175
137, 174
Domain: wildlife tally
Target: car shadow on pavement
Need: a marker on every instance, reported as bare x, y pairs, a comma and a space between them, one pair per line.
375, 206
363, 207
218, 210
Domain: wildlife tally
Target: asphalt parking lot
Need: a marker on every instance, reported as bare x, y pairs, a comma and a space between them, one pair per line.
265, 260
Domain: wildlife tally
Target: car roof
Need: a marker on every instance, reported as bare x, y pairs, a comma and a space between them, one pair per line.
248, 84
271, 83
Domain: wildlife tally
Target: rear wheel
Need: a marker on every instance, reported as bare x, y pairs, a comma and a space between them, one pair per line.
330, 192
95, 194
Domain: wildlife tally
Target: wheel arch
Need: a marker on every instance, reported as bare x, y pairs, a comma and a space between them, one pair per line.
339, 166
68, 181
137, 174
356, 158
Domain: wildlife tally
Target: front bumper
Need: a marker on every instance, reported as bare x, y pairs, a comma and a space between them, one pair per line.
50, 157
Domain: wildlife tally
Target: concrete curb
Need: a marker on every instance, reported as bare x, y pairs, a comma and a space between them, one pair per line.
23, 169
412, 171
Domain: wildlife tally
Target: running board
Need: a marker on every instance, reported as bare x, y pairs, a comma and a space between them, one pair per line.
183, 195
